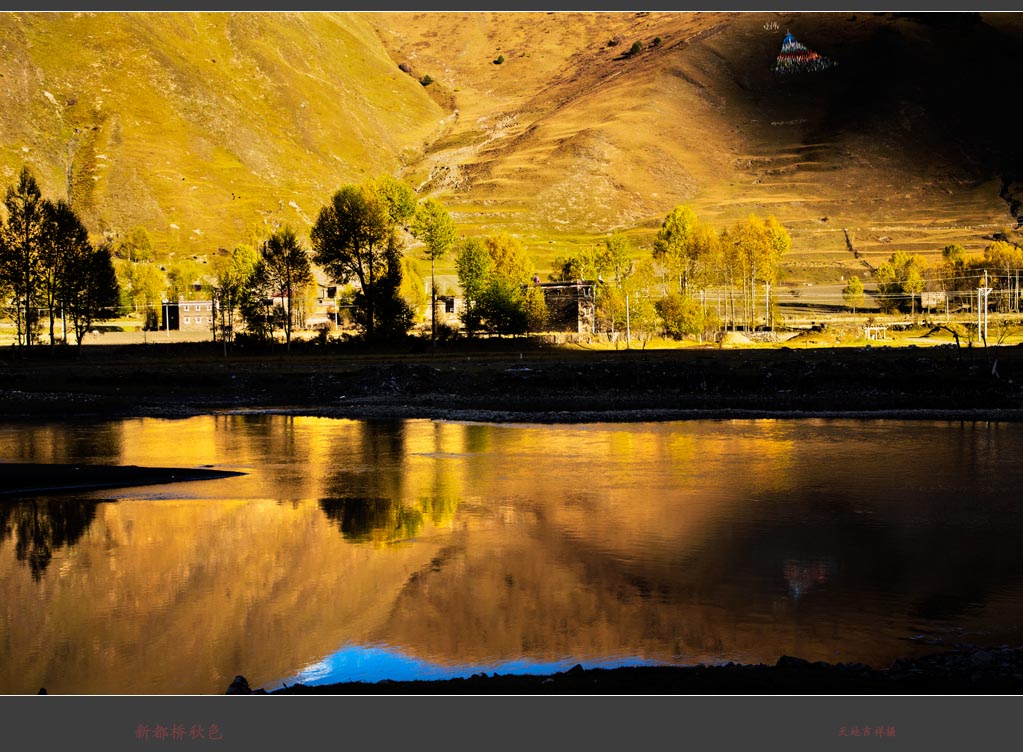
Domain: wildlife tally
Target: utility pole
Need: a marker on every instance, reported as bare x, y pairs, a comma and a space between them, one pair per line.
982, 293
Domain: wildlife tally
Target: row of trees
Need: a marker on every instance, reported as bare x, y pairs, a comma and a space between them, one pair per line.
696, 280
359, 238
49, 269
904, 277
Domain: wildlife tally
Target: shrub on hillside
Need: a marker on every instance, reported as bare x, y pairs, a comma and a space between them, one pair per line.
499, 60
426, 80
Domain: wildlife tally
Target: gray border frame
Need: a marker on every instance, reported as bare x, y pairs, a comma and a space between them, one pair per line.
795, 723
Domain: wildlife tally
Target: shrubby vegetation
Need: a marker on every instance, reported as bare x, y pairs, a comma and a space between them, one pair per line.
494, 274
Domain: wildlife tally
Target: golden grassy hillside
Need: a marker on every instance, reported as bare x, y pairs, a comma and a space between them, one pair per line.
207, 128
202, 127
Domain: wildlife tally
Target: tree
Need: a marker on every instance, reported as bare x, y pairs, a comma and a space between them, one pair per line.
355, 239
682, 316
413, 287
951, 271
502, 306
853, 292
393, 312
138, 246
902, 274
399, 200
1007, 260
510, 259
583, 265
914, 285
615, 258
20, 242
674, 246
232, 274
255, 303
475, 266
494, 274
184, 279
434, 227
758, 246
286, 270
63, 238
145, 284
535, 306
92, 292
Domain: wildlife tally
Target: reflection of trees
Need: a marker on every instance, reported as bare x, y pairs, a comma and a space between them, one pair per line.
40, 527
361, 519
370, 463
58, 442
385, 520
369, 486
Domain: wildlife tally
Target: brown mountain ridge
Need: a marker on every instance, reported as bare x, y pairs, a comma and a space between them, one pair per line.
209, 128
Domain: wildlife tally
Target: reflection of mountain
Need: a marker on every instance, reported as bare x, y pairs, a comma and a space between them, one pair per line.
701, 560
662, 541
41, 527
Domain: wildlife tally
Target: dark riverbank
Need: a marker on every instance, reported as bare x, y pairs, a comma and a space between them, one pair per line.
28, 478
517, 381
967, 670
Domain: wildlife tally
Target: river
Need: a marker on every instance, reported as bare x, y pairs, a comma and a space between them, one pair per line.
365, 550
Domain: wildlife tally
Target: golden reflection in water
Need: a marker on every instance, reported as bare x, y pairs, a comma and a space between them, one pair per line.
182, 600
454, 543
190, 592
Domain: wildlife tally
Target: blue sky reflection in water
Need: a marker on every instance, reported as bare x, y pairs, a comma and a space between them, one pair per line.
483, 547
358, 663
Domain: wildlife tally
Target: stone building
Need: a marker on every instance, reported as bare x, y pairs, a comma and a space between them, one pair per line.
570, 306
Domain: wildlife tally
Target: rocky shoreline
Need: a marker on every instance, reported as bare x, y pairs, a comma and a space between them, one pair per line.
966, 670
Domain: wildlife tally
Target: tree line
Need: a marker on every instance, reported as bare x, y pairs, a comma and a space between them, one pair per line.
49, 269
360, 238
688, 261
904, 277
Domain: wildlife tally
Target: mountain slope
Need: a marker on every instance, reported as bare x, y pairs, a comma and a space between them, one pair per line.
208, 128
199, 126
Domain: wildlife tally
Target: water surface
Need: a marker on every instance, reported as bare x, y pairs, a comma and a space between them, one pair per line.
420, 549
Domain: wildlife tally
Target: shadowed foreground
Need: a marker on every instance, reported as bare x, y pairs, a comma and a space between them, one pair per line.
500, 381
967, 670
